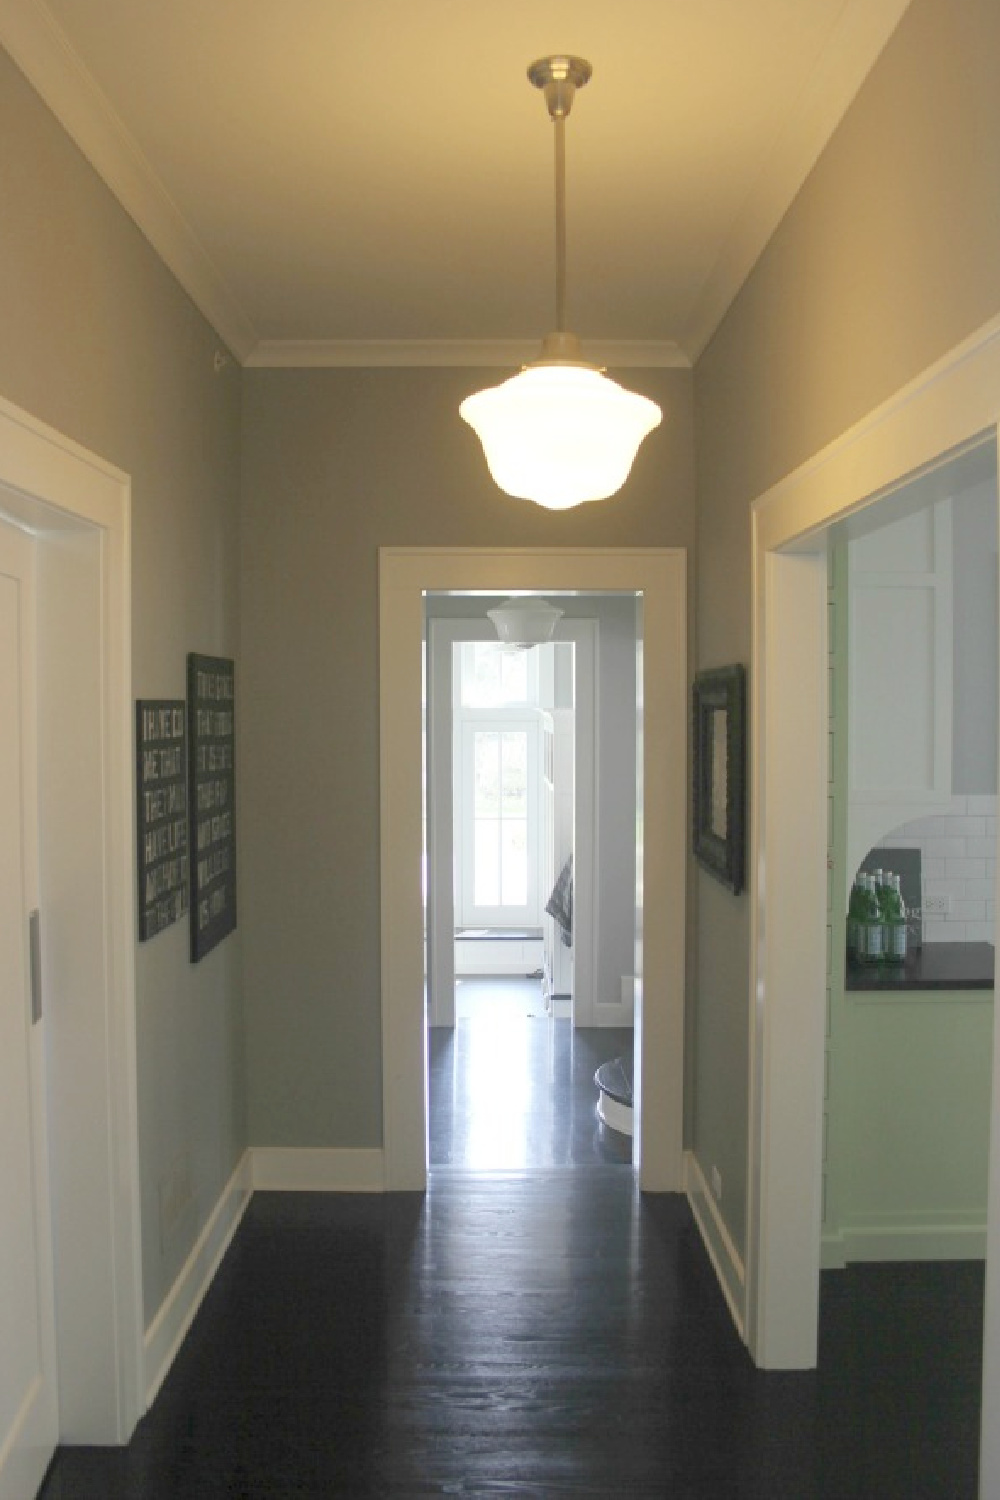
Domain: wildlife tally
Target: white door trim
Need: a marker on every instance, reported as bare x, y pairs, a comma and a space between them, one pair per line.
29, 1422
660, 575
54, 487
951, 405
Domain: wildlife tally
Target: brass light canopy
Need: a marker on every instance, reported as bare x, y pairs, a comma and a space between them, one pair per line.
560, 432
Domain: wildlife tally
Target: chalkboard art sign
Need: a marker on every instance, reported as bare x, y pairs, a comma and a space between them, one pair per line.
161, 813
212, 785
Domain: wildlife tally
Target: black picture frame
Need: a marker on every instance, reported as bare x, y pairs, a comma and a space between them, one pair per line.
719, 766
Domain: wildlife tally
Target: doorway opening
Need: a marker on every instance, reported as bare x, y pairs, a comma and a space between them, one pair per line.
658, 577
949, 410
531, 936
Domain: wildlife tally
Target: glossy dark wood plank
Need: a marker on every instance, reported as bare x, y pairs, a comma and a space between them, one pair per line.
538, 1334
537, 1331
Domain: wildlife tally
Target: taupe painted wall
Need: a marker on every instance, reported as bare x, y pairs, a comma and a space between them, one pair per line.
336, 464
99, 341
889, 256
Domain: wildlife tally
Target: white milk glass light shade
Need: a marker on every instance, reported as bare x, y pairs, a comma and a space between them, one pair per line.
560, 434
524, 621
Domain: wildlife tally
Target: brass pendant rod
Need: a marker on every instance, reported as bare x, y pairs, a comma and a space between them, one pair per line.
560, 128
559, 78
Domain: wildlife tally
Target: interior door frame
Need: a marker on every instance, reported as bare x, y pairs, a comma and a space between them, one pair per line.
78, 508
950, 406
443, 633
659, 575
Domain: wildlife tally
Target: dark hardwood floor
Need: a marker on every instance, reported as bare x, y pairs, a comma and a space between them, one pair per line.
539, 1331
538, 1334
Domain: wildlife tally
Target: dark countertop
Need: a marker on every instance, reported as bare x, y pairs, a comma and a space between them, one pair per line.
935, 966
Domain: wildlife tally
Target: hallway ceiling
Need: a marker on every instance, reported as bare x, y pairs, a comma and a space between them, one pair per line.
370, 181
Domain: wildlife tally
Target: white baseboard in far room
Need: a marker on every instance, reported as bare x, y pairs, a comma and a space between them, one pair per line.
610, 1013
306, 1169
886, 1242
726, 1259
166, 1332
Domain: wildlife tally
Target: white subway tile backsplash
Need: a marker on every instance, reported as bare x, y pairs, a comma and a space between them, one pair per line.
936, 848
967, 911
926, 828
966, 828
958, 862
944, 932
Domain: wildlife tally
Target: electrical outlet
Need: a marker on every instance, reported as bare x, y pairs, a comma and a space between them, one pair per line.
937, 906
717, 1183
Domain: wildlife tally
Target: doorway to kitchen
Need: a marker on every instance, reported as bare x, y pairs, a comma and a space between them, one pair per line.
951, 408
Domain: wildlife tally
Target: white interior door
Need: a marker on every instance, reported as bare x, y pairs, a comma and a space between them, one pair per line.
28, 1402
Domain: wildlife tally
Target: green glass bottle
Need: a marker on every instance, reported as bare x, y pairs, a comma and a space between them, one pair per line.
872, 948
855, 914
895, 948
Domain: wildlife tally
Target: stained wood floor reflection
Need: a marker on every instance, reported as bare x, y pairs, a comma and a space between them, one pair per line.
512, 1088
538, 1334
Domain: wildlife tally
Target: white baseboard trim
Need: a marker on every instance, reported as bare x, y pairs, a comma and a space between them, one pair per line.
611, 1013
304, 1169
903, 1242
726, 1259
166, 1332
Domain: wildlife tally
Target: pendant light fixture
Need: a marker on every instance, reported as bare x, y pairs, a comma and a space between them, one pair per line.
560, 432
524, 620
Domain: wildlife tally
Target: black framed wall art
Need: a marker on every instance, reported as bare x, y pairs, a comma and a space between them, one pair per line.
161, 821
719, 764
212, 790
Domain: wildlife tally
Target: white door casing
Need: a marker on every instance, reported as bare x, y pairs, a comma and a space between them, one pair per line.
952, 406
28, 1376
660, 577
76, 506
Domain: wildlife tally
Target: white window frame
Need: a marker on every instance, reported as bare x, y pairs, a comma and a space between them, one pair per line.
465, 652
469, 722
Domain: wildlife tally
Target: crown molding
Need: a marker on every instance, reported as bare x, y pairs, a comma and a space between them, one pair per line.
311, 354
42, 51
40, 48
862, 30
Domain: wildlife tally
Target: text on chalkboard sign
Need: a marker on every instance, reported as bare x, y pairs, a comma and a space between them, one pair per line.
161, 813
212, 784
